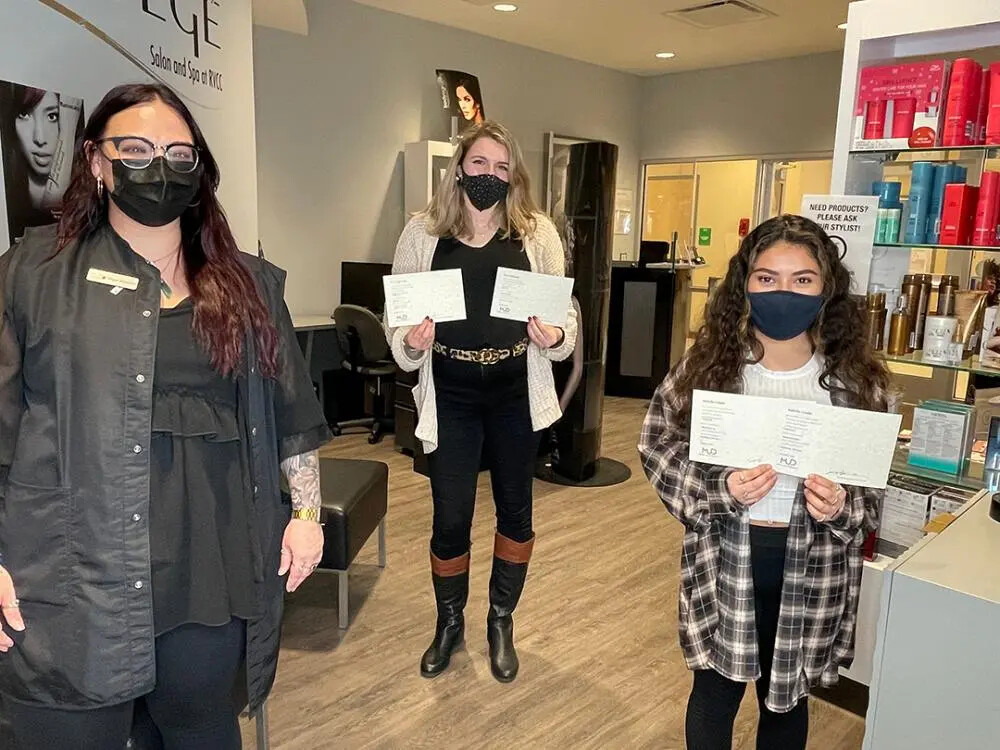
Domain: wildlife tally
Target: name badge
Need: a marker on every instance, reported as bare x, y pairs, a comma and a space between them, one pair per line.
113, 279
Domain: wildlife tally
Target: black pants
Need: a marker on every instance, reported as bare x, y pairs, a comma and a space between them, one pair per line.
715, 700
191, 707
482, 410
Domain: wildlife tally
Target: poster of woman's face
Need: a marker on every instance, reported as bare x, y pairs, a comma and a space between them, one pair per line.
38, 130
461, 96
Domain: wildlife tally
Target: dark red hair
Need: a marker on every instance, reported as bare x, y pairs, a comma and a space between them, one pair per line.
227, 301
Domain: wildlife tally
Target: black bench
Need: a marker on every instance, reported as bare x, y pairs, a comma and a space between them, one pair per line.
355, 501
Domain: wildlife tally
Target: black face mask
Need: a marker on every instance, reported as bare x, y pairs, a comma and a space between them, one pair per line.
156, 195
484, 190
784, 315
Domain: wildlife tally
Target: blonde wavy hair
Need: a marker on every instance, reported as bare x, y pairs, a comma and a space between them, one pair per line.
446, 214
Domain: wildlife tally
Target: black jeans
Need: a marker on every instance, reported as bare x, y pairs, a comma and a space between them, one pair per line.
482, 410
191, 706
715, 700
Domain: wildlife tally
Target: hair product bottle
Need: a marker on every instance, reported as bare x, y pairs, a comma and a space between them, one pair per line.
899, 329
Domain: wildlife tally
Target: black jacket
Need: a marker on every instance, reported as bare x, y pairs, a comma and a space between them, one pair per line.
76, 372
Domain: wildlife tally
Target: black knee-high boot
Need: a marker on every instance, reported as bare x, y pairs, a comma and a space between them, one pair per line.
451, 591
510, 567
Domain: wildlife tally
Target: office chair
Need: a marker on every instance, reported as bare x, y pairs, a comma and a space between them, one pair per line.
367, 354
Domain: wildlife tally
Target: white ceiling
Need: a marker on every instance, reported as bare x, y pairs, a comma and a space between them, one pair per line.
626, 34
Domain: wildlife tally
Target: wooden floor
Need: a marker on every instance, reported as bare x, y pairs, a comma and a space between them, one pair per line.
596, 631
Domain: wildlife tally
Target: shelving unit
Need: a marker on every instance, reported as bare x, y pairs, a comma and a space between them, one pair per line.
971, 477
969, 364
881, 32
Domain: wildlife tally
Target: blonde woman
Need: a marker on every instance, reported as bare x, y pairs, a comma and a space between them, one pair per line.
485, 385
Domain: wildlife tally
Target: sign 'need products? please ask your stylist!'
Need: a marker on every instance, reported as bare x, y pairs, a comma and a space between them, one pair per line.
851, 220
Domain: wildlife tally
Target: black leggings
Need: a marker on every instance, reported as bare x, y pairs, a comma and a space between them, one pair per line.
715, 700
191, 706
487, 412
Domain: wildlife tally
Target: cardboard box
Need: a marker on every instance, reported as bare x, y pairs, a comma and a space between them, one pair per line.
904, 510
948, 500
890, 95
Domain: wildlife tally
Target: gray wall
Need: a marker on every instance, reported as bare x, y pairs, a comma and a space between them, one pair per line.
330, 165
779, 107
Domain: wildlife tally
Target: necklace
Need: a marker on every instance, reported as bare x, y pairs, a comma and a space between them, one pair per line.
164, 286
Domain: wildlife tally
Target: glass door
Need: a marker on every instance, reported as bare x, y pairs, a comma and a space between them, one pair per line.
670, 200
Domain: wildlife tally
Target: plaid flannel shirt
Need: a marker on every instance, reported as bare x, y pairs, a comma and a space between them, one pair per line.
823, 563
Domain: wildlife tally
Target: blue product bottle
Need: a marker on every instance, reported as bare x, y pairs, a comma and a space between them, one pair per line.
942, 175
888, 194
921, 186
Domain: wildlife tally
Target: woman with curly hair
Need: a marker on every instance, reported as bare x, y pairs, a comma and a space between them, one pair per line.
771, 564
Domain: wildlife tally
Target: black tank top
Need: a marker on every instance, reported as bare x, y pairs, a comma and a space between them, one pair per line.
479, 272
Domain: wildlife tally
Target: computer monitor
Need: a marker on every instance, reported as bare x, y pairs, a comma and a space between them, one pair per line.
361, 284
653, 251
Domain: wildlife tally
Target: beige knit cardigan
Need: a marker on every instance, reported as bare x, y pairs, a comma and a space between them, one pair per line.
414, 253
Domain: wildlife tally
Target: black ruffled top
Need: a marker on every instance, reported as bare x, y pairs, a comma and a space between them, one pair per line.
200, 510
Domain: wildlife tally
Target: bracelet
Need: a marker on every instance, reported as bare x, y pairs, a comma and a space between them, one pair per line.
306, 514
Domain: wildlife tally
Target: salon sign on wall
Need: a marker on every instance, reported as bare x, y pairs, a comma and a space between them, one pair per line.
850, 220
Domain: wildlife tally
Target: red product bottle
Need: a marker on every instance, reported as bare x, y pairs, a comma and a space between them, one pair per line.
962, 112
902, 117
993, 115
984, 108
958, 213
875, 120
987, 223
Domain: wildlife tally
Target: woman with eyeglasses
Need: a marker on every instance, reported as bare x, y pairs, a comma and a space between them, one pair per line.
150, 388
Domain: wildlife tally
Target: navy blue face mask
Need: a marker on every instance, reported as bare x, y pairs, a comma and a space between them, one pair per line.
784, 315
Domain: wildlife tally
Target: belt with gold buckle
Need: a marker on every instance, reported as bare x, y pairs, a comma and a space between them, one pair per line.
482, 356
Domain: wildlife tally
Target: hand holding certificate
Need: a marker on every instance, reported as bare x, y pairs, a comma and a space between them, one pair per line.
799, 438
412, 297
520, 295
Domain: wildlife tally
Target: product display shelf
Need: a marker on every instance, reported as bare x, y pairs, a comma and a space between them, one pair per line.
991, 151
971, 477
938, 246
969, 364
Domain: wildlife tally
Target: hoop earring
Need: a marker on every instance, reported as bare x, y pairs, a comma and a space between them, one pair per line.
100, 186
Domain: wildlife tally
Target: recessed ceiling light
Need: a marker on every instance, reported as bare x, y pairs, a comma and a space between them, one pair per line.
842, 26
505, 7
665, 55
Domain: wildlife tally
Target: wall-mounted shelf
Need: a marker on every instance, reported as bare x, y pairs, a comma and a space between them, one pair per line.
939, 246
969, 364
892, 152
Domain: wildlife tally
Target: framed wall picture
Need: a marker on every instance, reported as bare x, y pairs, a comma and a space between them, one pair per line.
462, 98
38, 129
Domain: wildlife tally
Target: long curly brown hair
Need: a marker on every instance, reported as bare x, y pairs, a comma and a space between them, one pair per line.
227, 301
726, 341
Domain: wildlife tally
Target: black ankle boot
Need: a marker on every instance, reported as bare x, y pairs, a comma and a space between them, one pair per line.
451, 590
510, 567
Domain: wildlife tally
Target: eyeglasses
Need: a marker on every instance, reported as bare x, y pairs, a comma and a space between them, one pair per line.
136, 152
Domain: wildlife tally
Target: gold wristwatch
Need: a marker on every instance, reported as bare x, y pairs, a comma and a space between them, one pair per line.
306, 514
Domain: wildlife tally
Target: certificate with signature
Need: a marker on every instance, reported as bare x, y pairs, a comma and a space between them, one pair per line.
519, 295
849, 446
411, 297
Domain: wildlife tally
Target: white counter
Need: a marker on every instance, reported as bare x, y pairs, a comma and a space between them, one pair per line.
936, 670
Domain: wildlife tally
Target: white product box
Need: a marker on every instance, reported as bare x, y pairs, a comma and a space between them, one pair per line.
904, 510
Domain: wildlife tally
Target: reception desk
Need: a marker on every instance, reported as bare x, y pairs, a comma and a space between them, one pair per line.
936, 672
647, 326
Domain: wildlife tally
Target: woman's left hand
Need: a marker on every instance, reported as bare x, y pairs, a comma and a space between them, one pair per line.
824, 499
301, 550
543, 335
